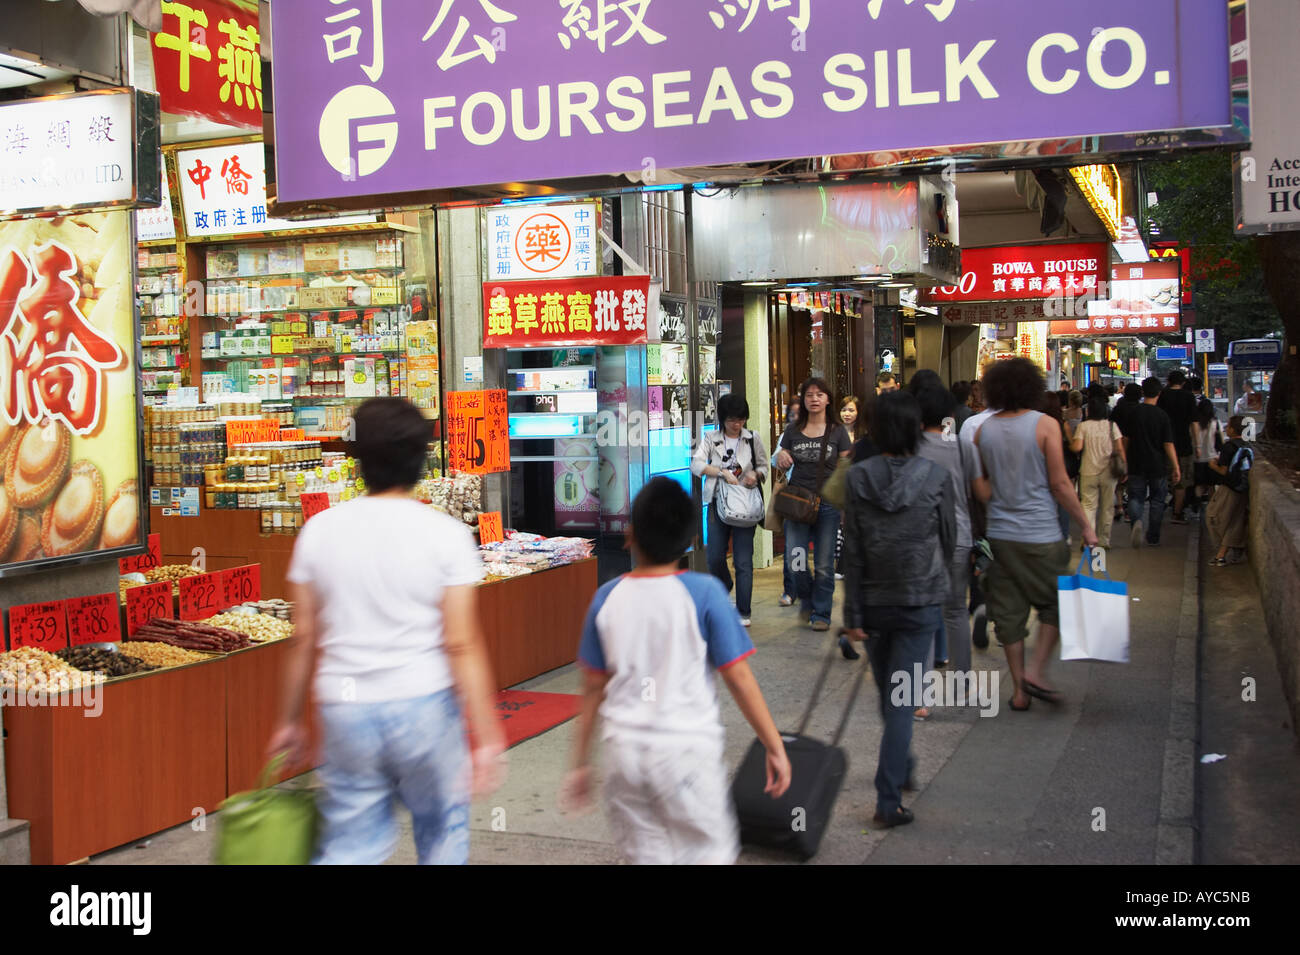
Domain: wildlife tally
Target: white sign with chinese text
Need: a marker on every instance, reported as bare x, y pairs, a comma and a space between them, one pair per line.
529, 241
156, 224
223, 192
66, 152
1205, 341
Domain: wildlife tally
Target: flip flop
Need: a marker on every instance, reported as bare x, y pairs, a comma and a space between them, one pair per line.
1019, 709
1047, 696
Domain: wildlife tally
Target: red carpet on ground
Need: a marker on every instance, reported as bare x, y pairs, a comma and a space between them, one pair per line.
526, 715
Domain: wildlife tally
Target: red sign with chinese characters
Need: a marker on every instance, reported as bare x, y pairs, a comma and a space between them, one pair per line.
202, 596
579, 311
242, 584
150, 559
207, 62
1024, 272
478, 432
96, 619
1143, 298
489, 528
43, 626
313, 504
150, 602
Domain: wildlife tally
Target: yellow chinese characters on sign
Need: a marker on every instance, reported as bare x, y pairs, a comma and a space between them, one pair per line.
208, 62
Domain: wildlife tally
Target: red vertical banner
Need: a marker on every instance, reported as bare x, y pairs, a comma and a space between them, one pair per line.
478, 432
96, 619
43, 626
207, 62
313, 504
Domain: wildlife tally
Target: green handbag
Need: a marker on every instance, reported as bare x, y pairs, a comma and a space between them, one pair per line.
267, 826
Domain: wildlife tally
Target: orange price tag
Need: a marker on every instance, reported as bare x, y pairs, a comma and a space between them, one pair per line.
243, 584
489, 528
94, 619
257, 431
43, 626
150, 559
150, 602
478, 432
292, 434
313, 504
202, 596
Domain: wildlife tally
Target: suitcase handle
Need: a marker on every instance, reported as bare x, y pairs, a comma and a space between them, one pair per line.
821, 682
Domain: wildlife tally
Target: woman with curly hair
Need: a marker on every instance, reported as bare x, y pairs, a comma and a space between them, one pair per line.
976, 401
1022, 480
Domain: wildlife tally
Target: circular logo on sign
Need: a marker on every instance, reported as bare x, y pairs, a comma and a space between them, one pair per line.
543, 243
352, 138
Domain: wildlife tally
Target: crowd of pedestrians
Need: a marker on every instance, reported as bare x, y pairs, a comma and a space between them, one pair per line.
946, 497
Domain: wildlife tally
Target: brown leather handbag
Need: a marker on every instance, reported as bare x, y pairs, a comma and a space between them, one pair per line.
798, 503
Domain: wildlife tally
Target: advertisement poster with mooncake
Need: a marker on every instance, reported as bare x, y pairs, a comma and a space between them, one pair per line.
68, 412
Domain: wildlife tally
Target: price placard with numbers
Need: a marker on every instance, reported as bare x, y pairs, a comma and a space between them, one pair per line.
202, 596
243, 584
43, 626
489, 528
96, 619
478, 432
150, 559
313, 504
150, 602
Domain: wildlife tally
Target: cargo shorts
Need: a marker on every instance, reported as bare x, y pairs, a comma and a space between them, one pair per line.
1023, 577
1186, 465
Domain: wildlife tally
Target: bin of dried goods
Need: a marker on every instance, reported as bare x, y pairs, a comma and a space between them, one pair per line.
107, 662
192, 636
30, 669
258, 627
163, 654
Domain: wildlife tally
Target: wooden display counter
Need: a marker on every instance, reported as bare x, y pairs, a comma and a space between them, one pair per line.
168, 743
88, 783
229, 538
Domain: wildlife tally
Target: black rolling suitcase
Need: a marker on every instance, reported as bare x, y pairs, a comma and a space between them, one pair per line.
797, 821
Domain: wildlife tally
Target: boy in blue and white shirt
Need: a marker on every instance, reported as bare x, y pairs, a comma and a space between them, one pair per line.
649, 643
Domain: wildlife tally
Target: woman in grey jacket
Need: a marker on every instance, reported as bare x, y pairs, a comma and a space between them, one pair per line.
901, 534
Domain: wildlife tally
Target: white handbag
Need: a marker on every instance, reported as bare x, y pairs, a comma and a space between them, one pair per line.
737, 505
1094, 616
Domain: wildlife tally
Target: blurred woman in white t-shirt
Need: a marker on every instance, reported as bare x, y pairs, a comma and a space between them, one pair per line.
1095, 439
387, 637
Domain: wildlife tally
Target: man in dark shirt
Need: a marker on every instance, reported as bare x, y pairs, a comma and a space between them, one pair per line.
1123, 410
1180, 405
1148, 444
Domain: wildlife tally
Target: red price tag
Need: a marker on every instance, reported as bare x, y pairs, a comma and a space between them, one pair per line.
150, 602
313, 504
243, 584
150, 559
202, 596
489, 528
94, 619
43, 626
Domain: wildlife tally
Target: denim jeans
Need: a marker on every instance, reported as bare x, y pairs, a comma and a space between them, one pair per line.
1143, 488
899, 638
413, 749
817, 589
742, 553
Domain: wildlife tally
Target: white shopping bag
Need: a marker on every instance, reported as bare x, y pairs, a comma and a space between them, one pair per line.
1094, 616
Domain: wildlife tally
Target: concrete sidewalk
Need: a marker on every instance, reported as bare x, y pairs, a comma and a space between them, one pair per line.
1106, 777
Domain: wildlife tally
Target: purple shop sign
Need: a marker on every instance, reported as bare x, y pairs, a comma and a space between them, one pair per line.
379, 97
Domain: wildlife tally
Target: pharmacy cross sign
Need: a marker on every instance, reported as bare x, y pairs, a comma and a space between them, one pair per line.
510, 91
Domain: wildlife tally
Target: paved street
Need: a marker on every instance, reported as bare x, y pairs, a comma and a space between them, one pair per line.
1109, 776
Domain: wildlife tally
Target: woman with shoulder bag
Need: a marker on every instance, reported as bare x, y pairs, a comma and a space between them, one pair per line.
733, 463
1102, 467
812, 448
